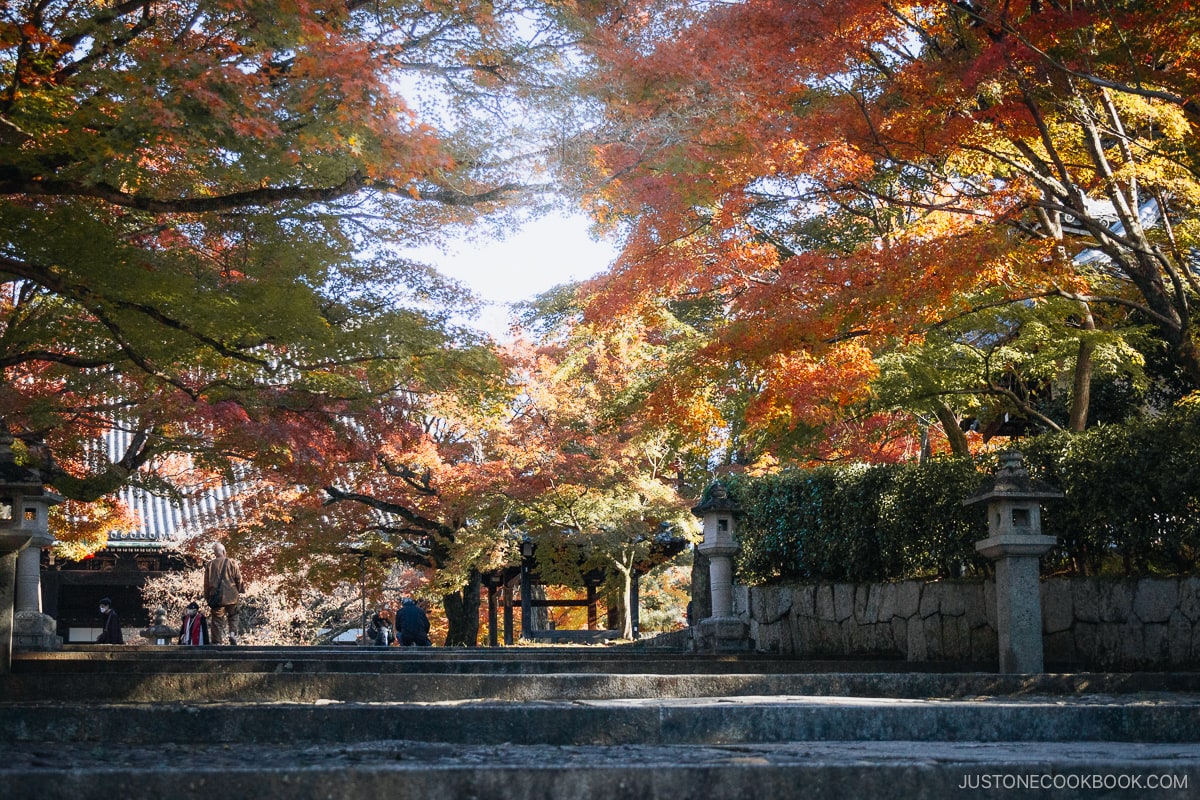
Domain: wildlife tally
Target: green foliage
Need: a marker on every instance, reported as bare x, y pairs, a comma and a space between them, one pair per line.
1132, 506
858, 523
1133, 495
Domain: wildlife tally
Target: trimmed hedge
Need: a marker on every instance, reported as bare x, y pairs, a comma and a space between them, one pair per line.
1132, 506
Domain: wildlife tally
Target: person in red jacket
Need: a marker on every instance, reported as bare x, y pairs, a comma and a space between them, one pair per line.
195, 627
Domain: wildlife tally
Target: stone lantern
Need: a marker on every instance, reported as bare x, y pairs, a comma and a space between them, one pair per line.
722, 632
160, 633
17, 484
33, 629
1015, 543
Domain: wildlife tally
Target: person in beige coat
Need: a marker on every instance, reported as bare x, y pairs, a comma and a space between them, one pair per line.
223, 589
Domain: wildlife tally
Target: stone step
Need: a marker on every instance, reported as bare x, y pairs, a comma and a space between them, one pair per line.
1161, 719
597, 722
216, 683
151, 659
407, 770
166, 674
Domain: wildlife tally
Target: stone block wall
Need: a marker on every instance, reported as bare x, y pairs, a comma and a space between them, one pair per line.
1088, 623
917, 620
1122, 624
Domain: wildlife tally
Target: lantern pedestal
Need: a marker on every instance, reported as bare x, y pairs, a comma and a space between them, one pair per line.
32, 629
721, 635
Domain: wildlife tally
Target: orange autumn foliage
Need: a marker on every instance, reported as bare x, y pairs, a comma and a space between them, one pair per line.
864, 172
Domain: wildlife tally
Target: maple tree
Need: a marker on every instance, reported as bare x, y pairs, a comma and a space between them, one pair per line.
430, 488
204, 215
855, 179
611, 483
451, 481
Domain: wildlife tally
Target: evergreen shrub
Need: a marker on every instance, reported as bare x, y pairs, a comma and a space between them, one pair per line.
1132, 507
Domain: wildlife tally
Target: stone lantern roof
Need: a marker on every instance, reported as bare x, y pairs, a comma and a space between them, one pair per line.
1012, 482
718, 502
16, 483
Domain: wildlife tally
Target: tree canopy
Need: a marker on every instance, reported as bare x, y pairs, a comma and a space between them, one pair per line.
206, 209
204, 212
858, 230
848, 180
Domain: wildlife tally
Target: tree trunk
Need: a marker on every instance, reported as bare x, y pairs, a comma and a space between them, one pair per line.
462, 613
954, 434
624, 597
1081, 392
627, 602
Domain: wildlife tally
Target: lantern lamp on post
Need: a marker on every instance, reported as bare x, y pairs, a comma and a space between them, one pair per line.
160, 633
723, 631
33, 629
1015, 542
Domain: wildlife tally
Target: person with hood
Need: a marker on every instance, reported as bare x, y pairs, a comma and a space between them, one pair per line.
413, 624
110, 632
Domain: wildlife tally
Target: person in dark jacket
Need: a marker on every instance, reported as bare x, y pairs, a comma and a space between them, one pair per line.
110, 632
413, 624
195, 626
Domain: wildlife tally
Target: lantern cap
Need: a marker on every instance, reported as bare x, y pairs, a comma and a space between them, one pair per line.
716, 500
1012, 482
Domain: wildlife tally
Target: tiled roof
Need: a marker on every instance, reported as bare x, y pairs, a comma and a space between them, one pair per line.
164, 521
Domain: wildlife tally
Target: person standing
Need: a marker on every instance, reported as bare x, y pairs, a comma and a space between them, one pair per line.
195, 627
223, 589
110, 632
413, 624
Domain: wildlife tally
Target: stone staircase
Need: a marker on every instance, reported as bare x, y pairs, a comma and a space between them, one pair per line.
573, 722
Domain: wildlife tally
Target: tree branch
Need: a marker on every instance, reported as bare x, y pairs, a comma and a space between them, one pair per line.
336, 495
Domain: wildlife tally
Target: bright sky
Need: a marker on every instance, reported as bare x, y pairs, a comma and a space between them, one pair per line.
546, 252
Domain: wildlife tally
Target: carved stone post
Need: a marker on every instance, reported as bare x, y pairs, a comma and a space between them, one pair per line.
1015, 542
722, 632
